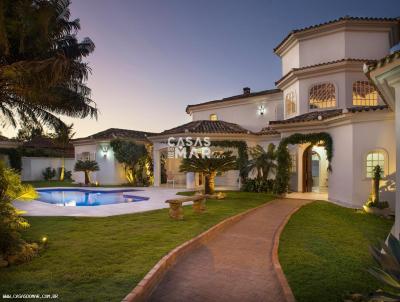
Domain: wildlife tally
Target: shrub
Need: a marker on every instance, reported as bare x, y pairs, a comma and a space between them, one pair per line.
11, 223
49, 173
258, 185
387, 256
67, 174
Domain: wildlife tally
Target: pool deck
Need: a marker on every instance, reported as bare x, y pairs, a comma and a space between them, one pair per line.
157, 198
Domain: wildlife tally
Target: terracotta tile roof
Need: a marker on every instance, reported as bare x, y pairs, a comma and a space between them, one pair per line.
42, 142
341, 19
4, 139
118, 133
268, 131
322, 64
205, 126
235, 97
325, 114
370, 66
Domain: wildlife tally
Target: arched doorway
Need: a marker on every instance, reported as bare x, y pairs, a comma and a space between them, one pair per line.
315, 176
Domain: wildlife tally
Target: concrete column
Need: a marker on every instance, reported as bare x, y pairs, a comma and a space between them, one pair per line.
397, 125
156, 166
190, 180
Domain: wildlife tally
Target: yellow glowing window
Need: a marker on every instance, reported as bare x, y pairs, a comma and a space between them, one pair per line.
374, 159
290, 103
213, 117
364, 94
322, 96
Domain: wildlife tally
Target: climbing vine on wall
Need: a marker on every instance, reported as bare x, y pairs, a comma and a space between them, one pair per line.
243, 158
284, 160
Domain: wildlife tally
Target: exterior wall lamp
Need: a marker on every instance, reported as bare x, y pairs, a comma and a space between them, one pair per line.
104, 149
262, 110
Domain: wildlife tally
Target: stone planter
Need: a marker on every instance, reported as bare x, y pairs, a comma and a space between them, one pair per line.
379, 212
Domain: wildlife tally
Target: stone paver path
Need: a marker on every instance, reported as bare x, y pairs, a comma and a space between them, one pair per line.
235, 265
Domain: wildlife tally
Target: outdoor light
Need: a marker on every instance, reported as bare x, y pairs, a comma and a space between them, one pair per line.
105, 148
262, 110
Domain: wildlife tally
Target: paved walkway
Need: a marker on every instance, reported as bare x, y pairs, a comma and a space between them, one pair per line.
235, 265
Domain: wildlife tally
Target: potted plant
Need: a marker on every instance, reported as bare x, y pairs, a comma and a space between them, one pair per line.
374, 205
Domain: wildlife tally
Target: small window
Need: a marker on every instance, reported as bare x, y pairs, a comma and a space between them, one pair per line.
322, 96
213, 117
293, 158
364, 94
374, 159
85, 156
290, 103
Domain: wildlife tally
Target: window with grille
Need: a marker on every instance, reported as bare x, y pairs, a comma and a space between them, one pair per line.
85, 156
213, 117
293, 159
364, 94
322, 96
290, 103
374, 159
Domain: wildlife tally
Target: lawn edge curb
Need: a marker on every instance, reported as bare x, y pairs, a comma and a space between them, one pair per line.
142, 291
287, 291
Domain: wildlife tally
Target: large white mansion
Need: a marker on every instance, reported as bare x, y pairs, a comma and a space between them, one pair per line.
322, 89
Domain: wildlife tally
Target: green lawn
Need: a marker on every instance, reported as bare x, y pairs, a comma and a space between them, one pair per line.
324, 251
102, 259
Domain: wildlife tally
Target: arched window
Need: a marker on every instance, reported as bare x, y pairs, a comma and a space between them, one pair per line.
322, 96
290, 103
364, 94
373, 159
213, 117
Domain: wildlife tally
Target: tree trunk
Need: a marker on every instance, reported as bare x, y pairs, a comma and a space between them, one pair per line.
376, 189
87, 180
62, 171
209, 185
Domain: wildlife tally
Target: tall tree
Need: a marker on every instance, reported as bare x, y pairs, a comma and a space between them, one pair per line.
130, 155
42, 72
28, 131
262, 162
63, 135
86, 167
219, 162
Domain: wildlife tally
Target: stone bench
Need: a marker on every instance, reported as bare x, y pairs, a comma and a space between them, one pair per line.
199, 204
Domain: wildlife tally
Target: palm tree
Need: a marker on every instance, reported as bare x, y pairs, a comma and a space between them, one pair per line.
219, 162
86, 166
42, 73
63, 136
262, 162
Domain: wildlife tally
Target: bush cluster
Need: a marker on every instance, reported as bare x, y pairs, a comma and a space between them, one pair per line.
258, 185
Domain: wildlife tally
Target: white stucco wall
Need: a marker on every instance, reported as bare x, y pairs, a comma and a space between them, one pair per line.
246, 115
369, 136
290, 59
322, 49
341, 179
32, 167
111, 172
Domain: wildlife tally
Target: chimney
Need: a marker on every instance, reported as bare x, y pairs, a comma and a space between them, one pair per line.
246, 90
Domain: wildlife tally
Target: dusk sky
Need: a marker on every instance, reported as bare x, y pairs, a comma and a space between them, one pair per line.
153, 58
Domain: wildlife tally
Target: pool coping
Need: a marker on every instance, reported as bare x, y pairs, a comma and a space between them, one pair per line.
89, 190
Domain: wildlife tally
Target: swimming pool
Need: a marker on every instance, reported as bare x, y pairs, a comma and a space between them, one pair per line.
86, 197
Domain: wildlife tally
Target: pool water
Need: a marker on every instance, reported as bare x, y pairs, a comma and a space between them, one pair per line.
83, 197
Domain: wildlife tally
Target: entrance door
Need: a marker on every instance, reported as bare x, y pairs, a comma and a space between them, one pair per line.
307, 170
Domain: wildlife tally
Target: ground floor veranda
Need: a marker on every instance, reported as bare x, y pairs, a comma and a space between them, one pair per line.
360, 141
